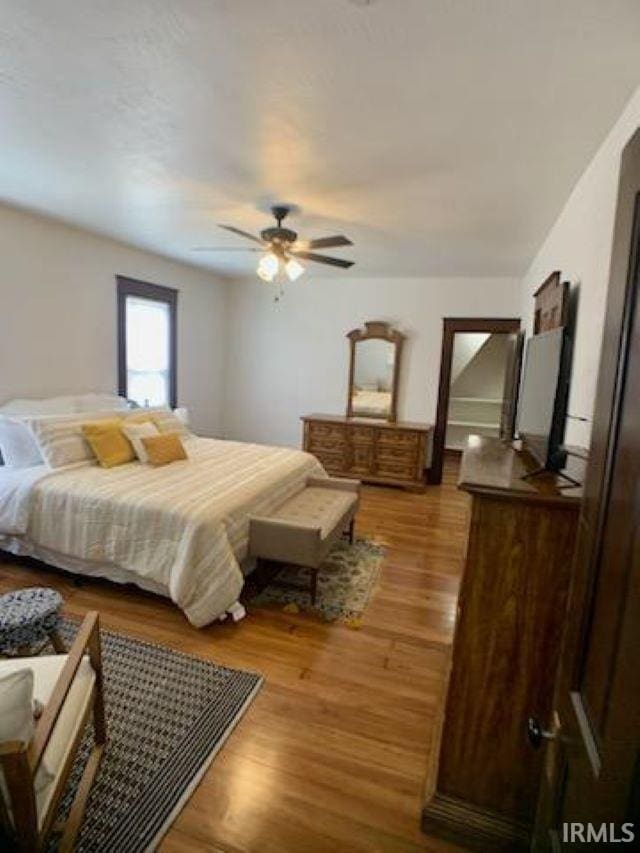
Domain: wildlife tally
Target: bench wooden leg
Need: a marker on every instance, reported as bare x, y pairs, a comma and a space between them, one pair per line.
352, 530
313, 584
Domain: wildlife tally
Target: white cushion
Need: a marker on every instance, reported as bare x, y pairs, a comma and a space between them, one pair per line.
16, 704
17, 445
316, 507
46, 670
136, 432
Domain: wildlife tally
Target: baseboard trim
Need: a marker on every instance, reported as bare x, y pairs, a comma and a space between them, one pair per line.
459, 821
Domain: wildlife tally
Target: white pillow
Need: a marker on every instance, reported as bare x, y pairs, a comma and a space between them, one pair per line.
169, 422
93, 402
18, 447
60, 439
136, 432
47, 406
17, 719
182, 413
97, 402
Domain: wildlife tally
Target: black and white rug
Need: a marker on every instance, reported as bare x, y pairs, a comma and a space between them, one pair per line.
168, 714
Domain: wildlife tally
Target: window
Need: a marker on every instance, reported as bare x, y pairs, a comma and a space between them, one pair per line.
147, 342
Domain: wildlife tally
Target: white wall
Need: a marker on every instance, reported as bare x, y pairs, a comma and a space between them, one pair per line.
579, 245
288, 359
465, 347
58, 315
483, 376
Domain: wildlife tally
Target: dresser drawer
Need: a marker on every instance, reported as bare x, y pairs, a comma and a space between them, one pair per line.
398, 437
328, 436
398, 455
333, 461
395, 470
361, 434
362, 459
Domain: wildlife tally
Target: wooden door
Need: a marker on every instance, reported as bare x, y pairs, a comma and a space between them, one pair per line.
591, 785
511, 385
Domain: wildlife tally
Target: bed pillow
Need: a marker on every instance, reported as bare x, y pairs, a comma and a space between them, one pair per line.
18, 447
163, 449
136, 432
168, 422
110, 445
182, 413
97, 402
60, 439
34, 408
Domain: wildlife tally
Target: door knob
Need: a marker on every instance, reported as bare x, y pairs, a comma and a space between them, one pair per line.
537, 734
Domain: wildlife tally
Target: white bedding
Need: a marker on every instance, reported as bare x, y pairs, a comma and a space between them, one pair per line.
181, 528
16, 485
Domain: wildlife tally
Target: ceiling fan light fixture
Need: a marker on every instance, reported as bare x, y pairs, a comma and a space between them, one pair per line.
265, 276
294, 269
268, 267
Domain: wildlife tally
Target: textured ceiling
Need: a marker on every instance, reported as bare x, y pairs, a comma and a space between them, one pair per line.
442, 136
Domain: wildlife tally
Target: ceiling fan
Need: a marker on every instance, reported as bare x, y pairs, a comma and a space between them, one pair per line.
281, 248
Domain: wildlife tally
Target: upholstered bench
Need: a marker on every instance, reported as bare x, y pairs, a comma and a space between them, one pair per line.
305, 527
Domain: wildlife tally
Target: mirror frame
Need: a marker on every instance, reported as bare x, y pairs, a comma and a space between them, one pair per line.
382, 331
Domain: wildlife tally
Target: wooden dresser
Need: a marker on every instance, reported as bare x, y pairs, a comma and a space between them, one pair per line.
374, 451
510, 618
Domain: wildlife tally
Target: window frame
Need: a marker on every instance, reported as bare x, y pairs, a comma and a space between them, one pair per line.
159, 293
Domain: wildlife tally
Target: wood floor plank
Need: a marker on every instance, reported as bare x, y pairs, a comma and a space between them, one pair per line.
333, 754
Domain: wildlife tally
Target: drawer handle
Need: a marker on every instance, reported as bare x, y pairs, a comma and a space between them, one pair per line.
537, 734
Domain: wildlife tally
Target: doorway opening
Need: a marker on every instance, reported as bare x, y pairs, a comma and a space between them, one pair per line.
479, 374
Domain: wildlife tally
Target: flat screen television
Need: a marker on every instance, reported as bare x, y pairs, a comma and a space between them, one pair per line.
544, 393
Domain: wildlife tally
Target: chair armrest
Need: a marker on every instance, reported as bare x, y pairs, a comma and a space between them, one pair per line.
87, 639
342, 484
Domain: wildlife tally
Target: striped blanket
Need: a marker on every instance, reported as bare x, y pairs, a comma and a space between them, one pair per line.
184, 526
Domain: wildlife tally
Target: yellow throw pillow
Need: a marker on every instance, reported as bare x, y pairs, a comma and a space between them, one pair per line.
108, 442
162, 449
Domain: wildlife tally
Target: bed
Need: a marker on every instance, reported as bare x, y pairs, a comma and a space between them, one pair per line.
180, 530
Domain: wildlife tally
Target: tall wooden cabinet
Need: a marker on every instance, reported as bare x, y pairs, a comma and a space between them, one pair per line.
386, 452
510, 618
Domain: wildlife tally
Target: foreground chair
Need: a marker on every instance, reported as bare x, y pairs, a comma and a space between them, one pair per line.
36, 768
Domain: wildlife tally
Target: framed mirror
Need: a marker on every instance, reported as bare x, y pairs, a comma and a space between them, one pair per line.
374, 370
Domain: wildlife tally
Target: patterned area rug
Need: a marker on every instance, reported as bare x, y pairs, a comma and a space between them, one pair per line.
346, 582
168, 714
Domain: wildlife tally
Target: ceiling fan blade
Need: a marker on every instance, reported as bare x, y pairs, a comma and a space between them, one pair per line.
327, 242
323, 259
241, 233
224, 249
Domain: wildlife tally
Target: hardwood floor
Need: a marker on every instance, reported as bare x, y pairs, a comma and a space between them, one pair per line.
333, 753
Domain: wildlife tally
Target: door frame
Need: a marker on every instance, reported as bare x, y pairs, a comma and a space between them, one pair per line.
451, 325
